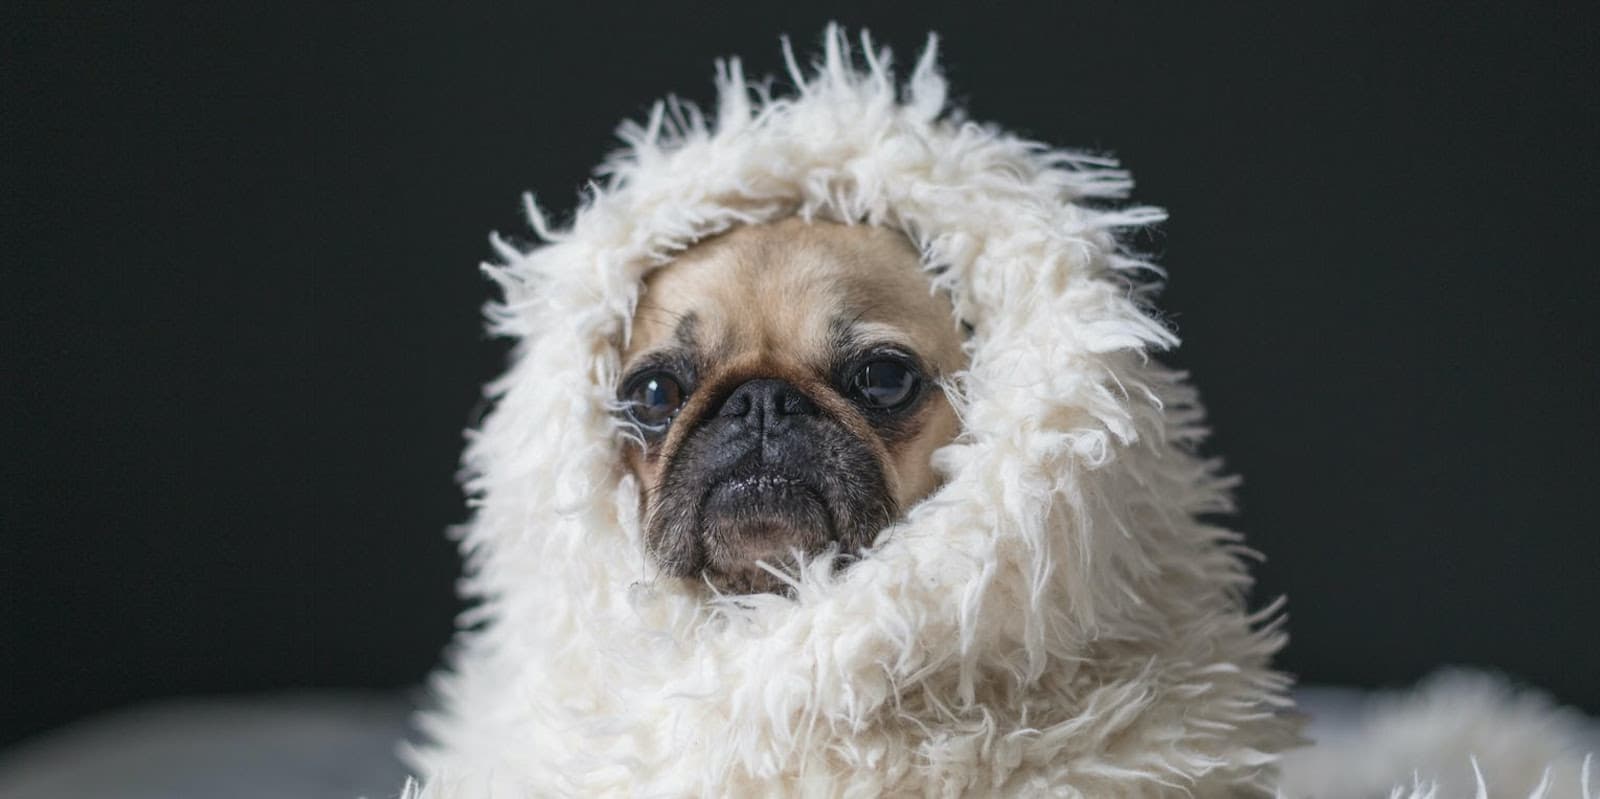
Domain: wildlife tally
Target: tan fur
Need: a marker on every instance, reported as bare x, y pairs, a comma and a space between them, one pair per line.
764, 298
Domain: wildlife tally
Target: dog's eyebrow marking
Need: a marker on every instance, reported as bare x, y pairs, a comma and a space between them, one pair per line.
842, 333
685, 331
848, 337
677, 355
687, 342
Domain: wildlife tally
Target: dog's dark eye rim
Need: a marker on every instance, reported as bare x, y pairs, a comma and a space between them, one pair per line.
641, 413
858, 367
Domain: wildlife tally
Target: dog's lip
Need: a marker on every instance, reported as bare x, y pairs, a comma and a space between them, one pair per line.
744, 482
758, 481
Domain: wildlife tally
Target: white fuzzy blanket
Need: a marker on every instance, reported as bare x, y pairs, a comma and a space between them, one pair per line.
1061, 618
340, 746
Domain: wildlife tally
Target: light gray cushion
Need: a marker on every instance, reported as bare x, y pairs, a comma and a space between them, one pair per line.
301, 746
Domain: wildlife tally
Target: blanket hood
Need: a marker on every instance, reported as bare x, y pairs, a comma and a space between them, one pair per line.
1060, 617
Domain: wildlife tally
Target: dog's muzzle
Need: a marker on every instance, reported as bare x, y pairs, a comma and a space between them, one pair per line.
769, 474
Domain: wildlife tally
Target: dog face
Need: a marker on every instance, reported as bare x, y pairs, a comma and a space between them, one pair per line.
782, 380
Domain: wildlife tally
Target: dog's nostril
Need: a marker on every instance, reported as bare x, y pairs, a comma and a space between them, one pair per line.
793, 402
736, 405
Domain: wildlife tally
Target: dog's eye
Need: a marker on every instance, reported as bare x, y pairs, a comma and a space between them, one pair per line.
884, 384
654, 399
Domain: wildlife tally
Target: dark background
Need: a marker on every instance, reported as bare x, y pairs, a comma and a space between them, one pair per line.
242, 331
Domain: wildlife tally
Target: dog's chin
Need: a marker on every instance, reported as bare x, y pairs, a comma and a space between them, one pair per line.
765, 518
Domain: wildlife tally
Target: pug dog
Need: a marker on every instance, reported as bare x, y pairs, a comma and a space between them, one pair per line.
784, 386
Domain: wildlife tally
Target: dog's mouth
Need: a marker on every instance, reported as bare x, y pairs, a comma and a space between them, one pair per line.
756, 517
762, 492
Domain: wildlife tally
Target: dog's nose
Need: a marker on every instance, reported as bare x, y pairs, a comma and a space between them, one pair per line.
765, 400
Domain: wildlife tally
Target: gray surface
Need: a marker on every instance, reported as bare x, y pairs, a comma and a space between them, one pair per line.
300, 746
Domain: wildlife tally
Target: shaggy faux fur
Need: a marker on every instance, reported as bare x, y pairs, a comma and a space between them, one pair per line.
1061, 618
